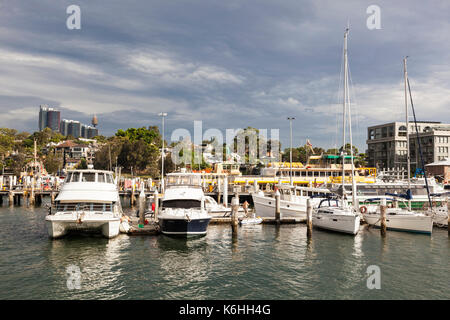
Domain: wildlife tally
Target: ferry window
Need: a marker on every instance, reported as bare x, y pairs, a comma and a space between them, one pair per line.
101, 177
69, 175
75, 177
109, 178
88, 177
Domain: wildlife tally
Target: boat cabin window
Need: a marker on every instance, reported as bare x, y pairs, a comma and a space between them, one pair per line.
84, 206
109, 178
182, 204
184, 180
101, 177
88, 177
75, 177
69, 175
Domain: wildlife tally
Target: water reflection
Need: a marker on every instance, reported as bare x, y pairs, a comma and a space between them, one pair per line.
184, 264
99, 260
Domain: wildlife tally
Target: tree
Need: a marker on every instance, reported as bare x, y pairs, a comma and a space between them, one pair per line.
53, 161
82, 164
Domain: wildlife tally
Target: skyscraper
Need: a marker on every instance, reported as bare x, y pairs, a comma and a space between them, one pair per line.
42, 116
49, 117
53, 119
74, 128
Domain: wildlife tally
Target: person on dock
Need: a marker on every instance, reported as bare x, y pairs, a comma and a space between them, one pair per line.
245, 207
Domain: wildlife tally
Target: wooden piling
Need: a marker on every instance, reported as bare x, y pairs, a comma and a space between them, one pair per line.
10, 198
309, 210
383, 209
277, 207
141, 209
156, 200
132, 199
31, 198
225, 192
234, 213
52, 195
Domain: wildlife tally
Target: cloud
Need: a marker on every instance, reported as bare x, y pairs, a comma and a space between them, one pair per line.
231, 64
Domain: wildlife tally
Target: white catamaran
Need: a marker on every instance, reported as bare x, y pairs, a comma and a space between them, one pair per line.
88, 202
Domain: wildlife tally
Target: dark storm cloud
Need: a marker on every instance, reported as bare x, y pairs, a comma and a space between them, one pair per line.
230, 63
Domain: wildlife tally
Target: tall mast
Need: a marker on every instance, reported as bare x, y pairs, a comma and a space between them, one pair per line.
408, 160
355, 204
344, 113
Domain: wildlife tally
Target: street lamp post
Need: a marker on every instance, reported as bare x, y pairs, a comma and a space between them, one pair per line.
163, 115
290, 150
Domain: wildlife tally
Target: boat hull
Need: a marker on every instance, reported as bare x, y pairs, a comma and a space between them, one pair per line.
58, 228
184, 227
339, 223
265, 207
413, 223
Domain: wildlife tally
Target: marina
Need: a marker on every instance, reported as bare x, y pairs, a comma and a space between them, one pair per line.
235, 151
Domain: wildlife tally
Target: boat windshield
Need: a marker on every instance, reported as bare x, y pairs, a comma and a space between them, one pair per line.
329, 203
88, 177
191, 180
75, 177
182, 204
101, 177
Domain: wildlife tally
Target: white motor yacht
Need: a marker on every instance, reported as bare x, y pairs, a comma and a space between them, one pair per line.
183, 210
88, 202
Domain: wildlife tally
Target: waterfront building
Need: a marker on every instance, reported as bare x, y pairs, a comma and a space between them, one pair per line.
387, 143
434, 144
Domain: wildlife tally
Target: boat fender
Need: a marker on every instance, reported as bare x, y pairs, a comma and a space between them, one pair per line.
363, 209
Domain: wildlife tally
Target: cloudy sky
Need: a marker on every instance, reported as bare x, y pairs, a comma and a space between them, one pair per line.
230, 64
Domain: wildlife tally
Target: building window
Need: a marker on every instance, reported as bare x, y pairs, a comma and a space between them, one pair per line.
402, 131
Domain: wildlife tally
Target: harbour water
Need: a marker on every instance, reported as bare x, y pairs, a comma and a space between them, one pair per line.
263, 262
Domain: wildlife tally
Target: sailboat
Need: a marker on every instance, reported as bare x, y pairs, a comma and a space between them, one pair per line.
336, 214
397, 218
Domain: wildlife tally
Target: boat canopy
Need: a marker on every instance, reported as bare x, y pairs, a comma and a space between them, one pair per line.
97, 196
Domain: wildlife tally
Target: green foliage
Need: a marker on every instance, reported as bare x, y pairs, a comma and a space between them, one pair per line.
82, 164
135, 150
53, 161
149, 136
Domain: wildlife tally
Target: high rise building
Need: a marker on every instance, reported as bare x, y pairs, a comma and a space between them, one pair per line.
64, 126
74, 128
49, 117
92, 132
42, 116
53, 119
